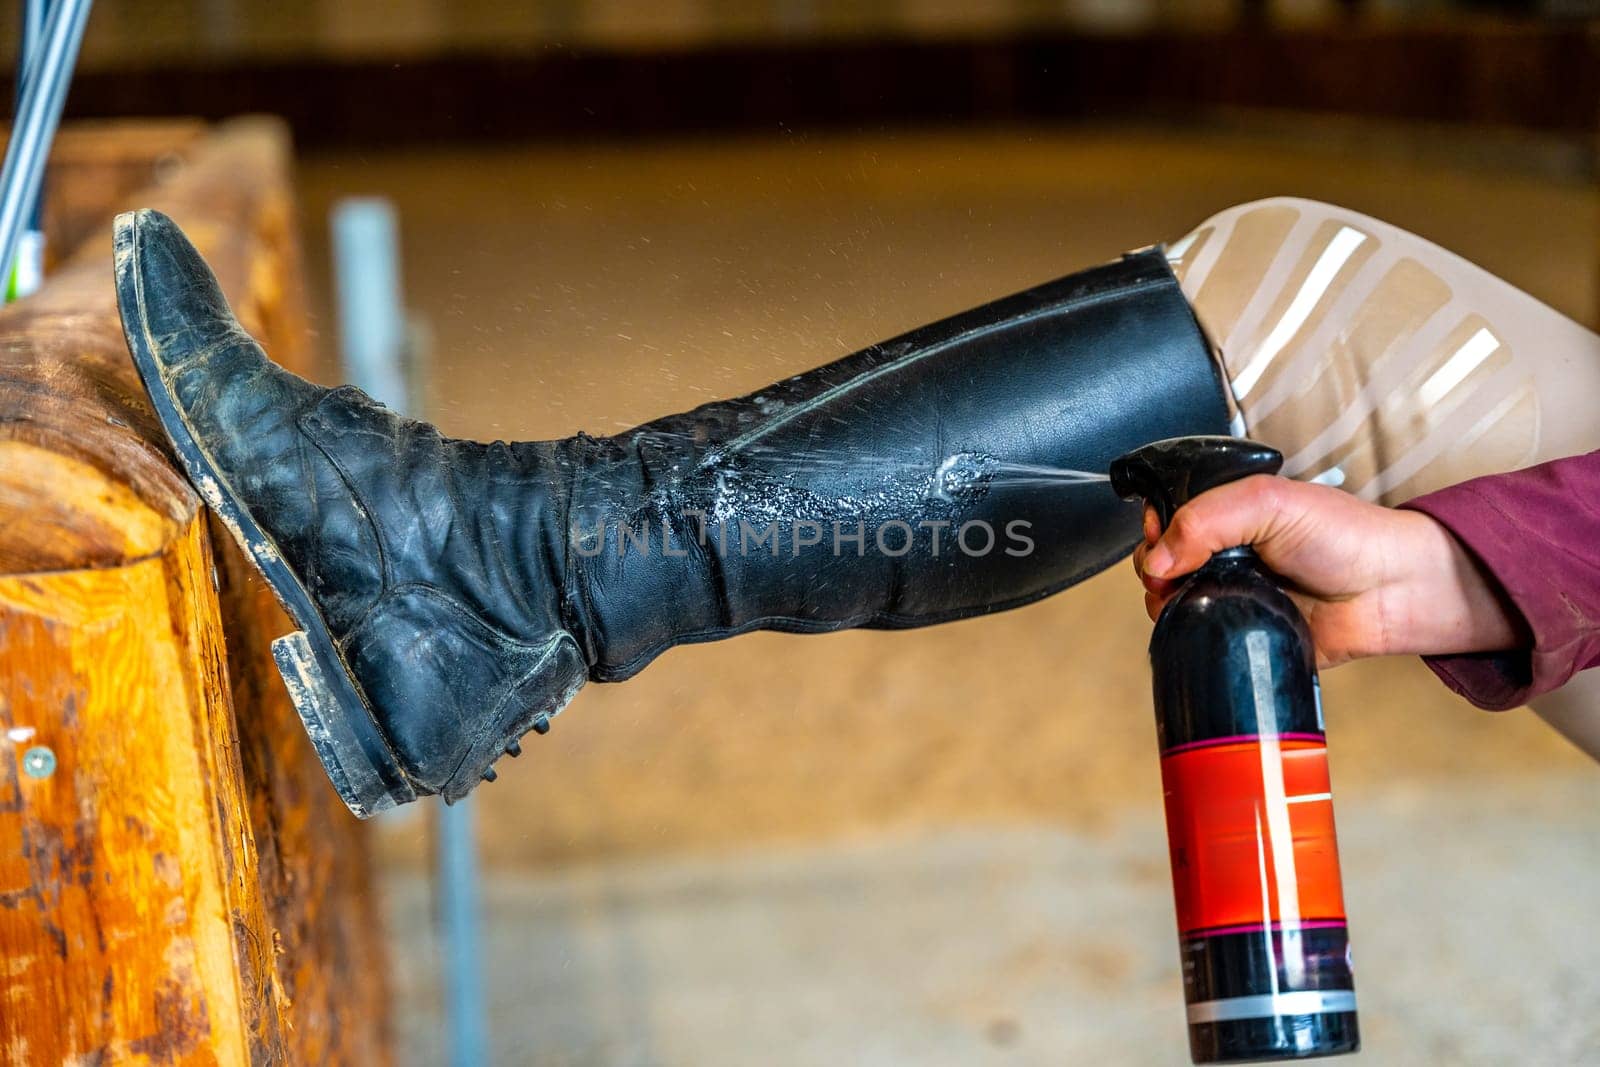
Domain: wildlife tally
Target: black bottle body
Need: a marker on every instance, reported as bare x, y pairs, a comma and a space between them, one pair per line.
1261, 920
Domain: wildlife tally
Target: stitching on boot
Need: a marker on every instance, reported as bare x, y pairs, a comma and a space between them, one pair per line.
917, 356
494, 727
309, 426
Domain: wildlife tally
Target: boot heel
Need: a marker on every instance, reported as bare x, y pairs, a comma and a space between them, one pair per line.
356, 757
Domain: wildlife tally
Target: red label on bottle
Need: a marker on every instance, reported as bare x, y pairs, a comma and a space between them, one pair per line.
1250, 826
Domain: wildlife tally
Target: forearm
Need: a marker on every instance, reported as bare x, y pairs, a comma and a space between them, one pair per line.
1444, 600
1535, 531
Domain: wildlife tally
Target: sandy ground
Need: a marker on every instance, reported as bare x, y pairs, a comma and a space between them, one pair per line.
1027, 945
941, 846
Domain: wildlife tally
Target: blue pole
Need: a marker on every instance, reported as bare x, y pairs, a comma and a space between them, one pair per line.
47, 74
26, 274
459, 925
372, 336
372, 317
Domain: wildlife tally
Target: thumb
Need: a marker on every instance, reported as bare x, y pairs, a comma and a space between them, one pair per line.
1245, 512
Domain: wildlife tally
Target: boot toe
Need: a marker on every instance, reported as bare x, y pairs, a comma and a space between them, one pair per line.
214, 388
167, 292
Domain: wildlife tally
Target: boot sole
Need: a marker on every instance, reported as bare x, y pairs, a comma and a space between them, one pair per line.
354, 752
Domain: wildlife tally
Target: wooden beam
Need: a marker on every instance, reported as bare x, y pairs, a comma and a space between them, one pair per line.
95, 166
178, 881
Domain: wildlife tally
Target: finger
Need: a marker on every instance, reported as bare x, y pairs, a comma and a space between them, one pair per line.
1239, 513
1152, 525
1153, 605
1308, 606
1161, 587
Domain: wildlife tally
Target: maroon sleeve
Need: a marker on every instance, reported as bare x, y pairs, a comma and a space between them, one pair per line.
1537, 532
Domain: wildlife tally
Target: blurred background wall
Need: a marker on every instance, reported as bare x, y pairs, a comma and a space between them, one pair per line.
131, 31
939, 847
414, 70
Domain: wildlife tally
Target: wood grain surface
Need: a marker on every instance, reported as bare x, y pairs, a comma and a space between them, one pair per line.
182, 885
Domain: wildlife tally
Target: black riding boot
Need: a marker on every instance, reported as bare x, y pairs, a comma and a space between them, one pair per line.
450, 596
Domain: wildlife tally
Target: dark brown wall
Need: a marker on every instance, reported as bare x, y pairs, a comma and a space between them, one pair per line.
1540, 76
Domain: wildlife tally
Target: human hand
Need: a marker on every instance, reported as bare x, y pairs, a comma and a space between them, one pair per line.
1370, 580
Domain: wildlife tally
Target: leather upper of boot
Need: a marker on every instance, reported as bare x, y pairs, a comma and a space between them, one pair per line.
429, 559
472, 588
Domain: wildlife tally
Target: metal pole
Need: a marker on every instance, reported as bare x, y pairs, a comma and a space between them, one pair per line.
461, 935
28, 271
35, 12
33, 16
372, 333
44, 93
372, 318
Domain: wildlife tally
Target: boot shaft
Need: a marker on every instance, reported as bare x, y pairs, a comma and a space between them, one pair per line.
920, 480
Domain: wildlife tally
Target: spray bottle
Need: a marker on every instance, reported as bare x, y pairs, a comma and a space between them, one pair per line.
1255, 864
